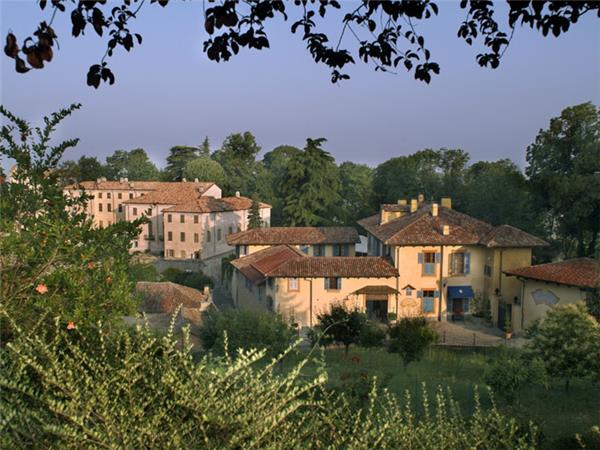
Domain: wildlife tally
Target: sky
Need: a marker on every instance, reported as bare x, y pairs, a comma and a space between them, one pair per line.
168, 93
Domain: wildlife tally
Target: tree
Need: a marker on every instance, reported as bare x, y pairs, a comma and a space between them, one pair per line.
274, 176
90, 168
341, 325
568, 342
133, 165
564, 172
356, 191
204, 169
254, 219
54, 263
311, 189
178, 157
204, 149
410, 337
237, 156
387, 32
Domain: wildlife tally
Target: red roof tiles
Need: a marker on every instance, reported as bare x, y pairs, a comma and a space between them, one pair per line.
336, 266
211, 204
295, 236
582, 272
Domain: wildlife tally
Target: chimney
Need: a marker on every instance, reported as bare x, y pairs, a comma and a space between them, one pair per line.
237, 193
446, 230
434, 210
402, 202
183, 180
383, 216
413, 205
447, 202
123, 180
421, 197
206, 290
196, 180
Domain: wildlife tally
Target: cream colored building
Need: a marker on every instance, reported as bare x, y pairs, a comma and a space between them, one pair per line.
445, 258
312, 241
282, 278
186, 220
546, 286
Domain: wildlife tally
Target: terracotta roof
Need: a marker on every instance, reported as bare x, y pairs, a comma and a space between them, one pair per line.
421, 228
136, 185
295, 236
172, 193
335, 266
256, 265
376, 290
211, 204
582, 272
165, 297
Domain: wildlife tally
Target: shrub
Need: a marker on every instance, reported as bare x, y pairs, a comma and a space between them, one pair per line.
134, 390
509, 373
372, 334
568, 342
482, 306
532, 329
196, 280
246, 329
341, 325
170, 274
143, 272
410, 337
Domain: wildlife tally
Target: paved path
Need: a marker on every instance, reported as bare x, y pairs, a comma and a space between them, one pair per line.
472, 332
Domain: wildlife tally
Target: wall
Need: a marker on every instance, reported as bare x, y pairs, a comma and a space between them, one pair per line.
328, 249
531, 311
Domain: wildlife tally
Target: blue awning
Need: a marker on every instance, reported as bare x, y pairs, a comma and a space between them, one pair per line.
460, 292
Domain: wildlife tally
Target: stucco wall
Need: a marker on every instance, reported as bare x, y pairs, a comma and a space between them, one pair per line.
532, 311
328, 249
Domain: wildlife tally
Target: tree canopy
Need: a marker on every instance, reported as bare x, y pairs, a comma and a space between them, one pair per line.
133, 164
384, 34
204, 169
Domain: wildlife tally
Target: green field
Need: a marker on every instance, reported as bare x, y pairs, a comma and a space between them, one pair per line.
559, 414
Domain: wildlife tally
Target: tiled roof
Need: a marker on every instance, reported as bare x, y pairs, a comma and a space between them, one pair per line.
165, 297
211, 204
582, 272
256, 265
295, 236
335, 266
136, 185
172, 193
422, 228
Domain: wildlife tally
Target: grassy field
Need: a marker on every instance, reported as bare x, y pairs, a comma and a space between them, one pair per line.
558, 414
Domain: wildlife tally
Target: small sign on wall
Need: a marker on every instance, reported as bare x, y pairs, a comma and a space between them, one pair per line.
544, 297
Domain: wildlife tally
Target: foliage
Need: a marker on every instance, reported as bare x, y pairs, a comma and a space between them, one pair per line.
73, 269
533, 328
204, 169
511, 372
372, 334
340, 325
227, 268
356, 192
196, 280
410, 337
568, 342
177, 160
563, 167
237, 156
386, 32
133, 165
234, 329
482, 306
311, 189
204, 150
254, 219
85, 169
143, 272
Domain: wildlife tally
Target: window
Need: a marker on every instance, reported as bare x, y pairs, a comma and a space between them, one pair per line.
248, 284
429, 260
242, 250
196, 238
460, 263
340, 250
108, 207
100, 224
239, 228
108, 195
408, 291
229, 229
292, 284
100, 207
218, 234
120, 207
487, 270
170, 236
183, 254
428, 300
333, 284
171, 253
181, 218
149, 212
318, 250
195, 219
182, 236
207, 236
169, 218
135, 211
135, 244
119, 195
99, 194
304, 249
130, 195
150, 230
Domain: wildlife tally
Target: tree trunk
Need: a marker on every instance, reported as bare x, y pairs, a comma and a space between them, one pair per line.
347, 349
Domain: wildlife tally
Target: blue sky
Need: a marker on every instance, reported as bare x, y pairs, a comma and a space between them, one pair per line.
168, 92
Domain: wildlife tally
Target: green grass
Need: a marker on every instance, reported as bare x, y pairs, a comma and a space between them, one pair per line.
558, 414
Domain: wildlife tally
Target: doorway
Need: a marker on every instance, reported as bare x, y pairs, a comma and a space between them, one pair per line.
377, 310
504, 314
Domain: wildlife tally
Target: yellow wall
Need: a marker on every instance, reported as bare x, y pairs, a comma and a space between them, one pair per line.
328, 249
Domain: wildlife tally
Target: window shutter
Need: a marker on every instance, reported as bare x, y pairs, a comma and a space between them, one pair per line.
326, 283
420, 258
436, 293
437, 258
452, 263
467, 262
339, 281
420, 293
345, 250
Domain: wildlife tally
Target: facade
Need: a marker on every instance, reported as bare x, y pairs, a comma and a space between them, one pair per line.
546, 286
312, 241
187, 220
282, 278
446, 258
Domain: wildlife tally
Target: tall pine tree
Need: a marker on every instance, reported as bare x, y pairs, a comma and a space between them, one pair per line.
254, 220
